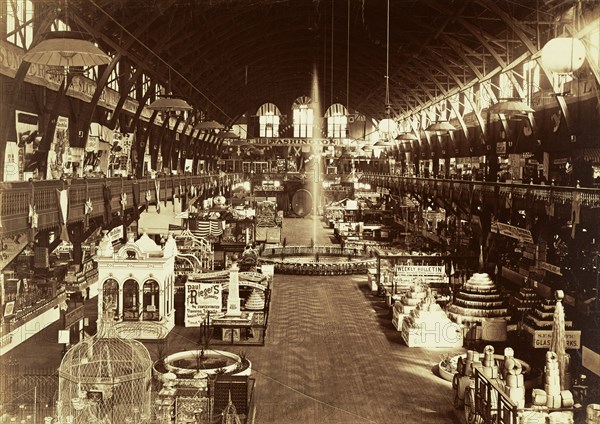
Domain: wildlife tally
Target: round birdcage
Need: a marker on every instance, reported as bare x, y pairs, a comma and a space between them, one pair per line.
105, 379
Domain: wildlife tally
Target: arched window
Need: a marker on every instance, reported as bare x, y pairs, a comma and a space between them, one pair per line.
268, 120
303, 117
337, 121
151, 300
131, 301
110, 296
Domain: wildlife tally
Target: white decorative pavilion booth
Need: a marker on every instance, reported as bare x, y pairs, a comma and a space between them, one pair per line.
136, 281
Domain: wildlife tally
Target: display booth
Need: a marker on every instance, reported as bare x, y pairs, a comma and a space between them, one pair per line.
397, 271
137, 283
235, 304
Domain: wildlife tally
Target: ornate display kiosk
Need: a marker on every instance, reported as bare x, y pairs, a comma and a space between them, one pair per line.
137, 284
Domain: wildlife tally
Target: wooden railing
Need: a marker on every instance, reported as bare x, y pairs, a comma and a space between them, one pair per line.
15, 197
589, 197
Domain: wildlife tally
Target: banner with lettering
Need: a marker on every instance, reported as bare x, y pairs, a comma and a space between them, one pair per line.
200, 299
507, 230
541, 339
58, 156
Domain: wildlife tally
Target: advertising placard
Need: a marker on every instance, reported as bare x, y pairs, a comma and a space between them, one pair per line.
542, 338
200, 299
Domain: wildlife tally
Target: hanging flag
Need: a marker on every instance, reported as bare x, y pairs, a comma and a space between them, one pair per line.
63, 210
575, 212
136, 199
33, 217
106, 192
157, 188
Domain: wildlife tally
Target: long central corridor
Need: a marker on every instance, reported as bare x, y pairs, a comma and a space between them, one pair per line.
332, 356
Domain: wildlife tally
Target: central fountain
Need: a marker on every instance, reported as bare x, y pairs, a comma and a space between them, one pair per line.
316, 152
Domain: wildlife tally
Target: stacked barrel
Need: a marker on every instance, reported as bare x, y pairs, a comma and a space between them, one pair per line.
513, 376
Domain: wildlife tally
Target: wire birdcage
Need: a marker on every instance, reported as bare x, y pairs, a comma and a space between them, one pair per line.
105, 379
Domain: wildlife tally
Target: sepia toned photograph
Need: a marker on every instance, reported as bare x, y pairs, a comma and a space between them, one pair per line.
300, 211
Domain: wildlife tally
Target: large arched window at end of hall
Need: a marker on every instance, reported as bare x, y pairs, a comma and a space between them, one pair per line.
337, 121
268, 120
131, 301
151, 300
303, 117
110, 297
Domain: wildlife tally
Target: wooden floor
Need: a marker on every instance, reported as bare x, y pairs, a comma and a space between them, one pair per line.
333, 356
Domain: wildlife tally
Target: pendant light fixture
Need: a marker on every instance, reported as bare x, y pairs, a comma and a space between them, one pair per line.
406, 136
168, 102
441, 126
387, 126
228, 134
209, 125
511, 107
66, 49
565, 55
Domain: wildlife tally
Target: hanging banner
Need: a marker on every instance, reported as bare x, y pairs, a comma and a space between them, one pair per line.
59, 153
200, 299
28, 140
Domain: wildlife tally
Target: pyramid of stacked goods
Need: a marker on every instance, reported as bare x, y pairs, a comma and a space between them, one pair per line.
551, 397
256, 301
406, 304
525, 300
542, 317
428, 326
478, 300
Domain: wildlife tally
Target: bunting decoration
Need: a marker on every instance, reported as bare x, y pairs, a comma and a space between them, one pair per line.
509, 201
549, 206
575, 212
136, 200
88, 207
63, 210
33, 217
106, 192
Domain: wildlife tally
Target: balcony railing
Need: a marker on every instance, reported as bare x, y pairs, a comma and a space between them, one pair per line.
15, 197
588, 197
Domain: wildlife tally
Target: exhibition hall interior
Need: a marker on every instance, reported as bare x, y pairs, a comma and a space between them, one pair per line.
300, 211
